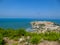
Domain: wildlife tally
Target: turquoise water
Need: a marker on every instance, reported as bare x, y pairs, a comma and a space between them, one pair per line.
21, 22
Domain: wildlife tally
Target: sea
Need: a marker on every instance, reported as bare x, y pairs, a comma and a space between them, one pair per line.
21, 22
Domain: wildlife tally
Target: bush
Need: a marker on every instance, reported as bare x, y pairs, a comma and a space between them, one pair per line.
35, 39
21, 32
1, 40
51, 36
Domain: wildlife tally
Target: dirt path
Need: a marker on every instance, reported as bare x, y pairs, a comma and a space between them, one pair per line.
12, 42
49, 43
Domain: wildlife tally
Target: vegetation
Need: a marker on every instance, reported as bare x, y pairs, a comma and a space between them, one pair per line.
34, 37
52, 36
1, 40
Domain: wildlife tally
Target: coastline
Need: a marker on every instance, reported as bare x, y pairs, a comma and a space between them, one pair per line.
42, 35
21, 22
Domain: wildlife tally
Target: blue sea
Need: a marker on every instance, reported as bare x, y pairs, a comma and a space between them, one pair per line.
21, 22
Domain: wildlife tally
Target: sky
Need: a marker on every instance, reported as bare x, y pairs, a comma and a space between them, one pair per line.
30, 9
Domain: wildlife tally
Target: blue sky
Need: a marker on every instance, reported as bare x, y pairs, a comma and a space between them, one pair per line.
30, 9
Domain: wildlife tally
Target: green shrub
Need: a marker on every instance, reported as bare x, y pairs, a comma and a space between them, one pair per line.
51, 36
21, 32
35, 39
1, 40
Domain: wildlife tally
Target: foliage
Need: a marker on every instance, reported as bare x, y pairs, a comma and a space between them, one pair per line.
21, 32
35, 39
1, 40
51, 36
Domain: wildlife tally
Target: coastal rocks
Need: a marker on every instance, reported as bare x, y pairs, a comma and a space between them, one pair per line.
44, 26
